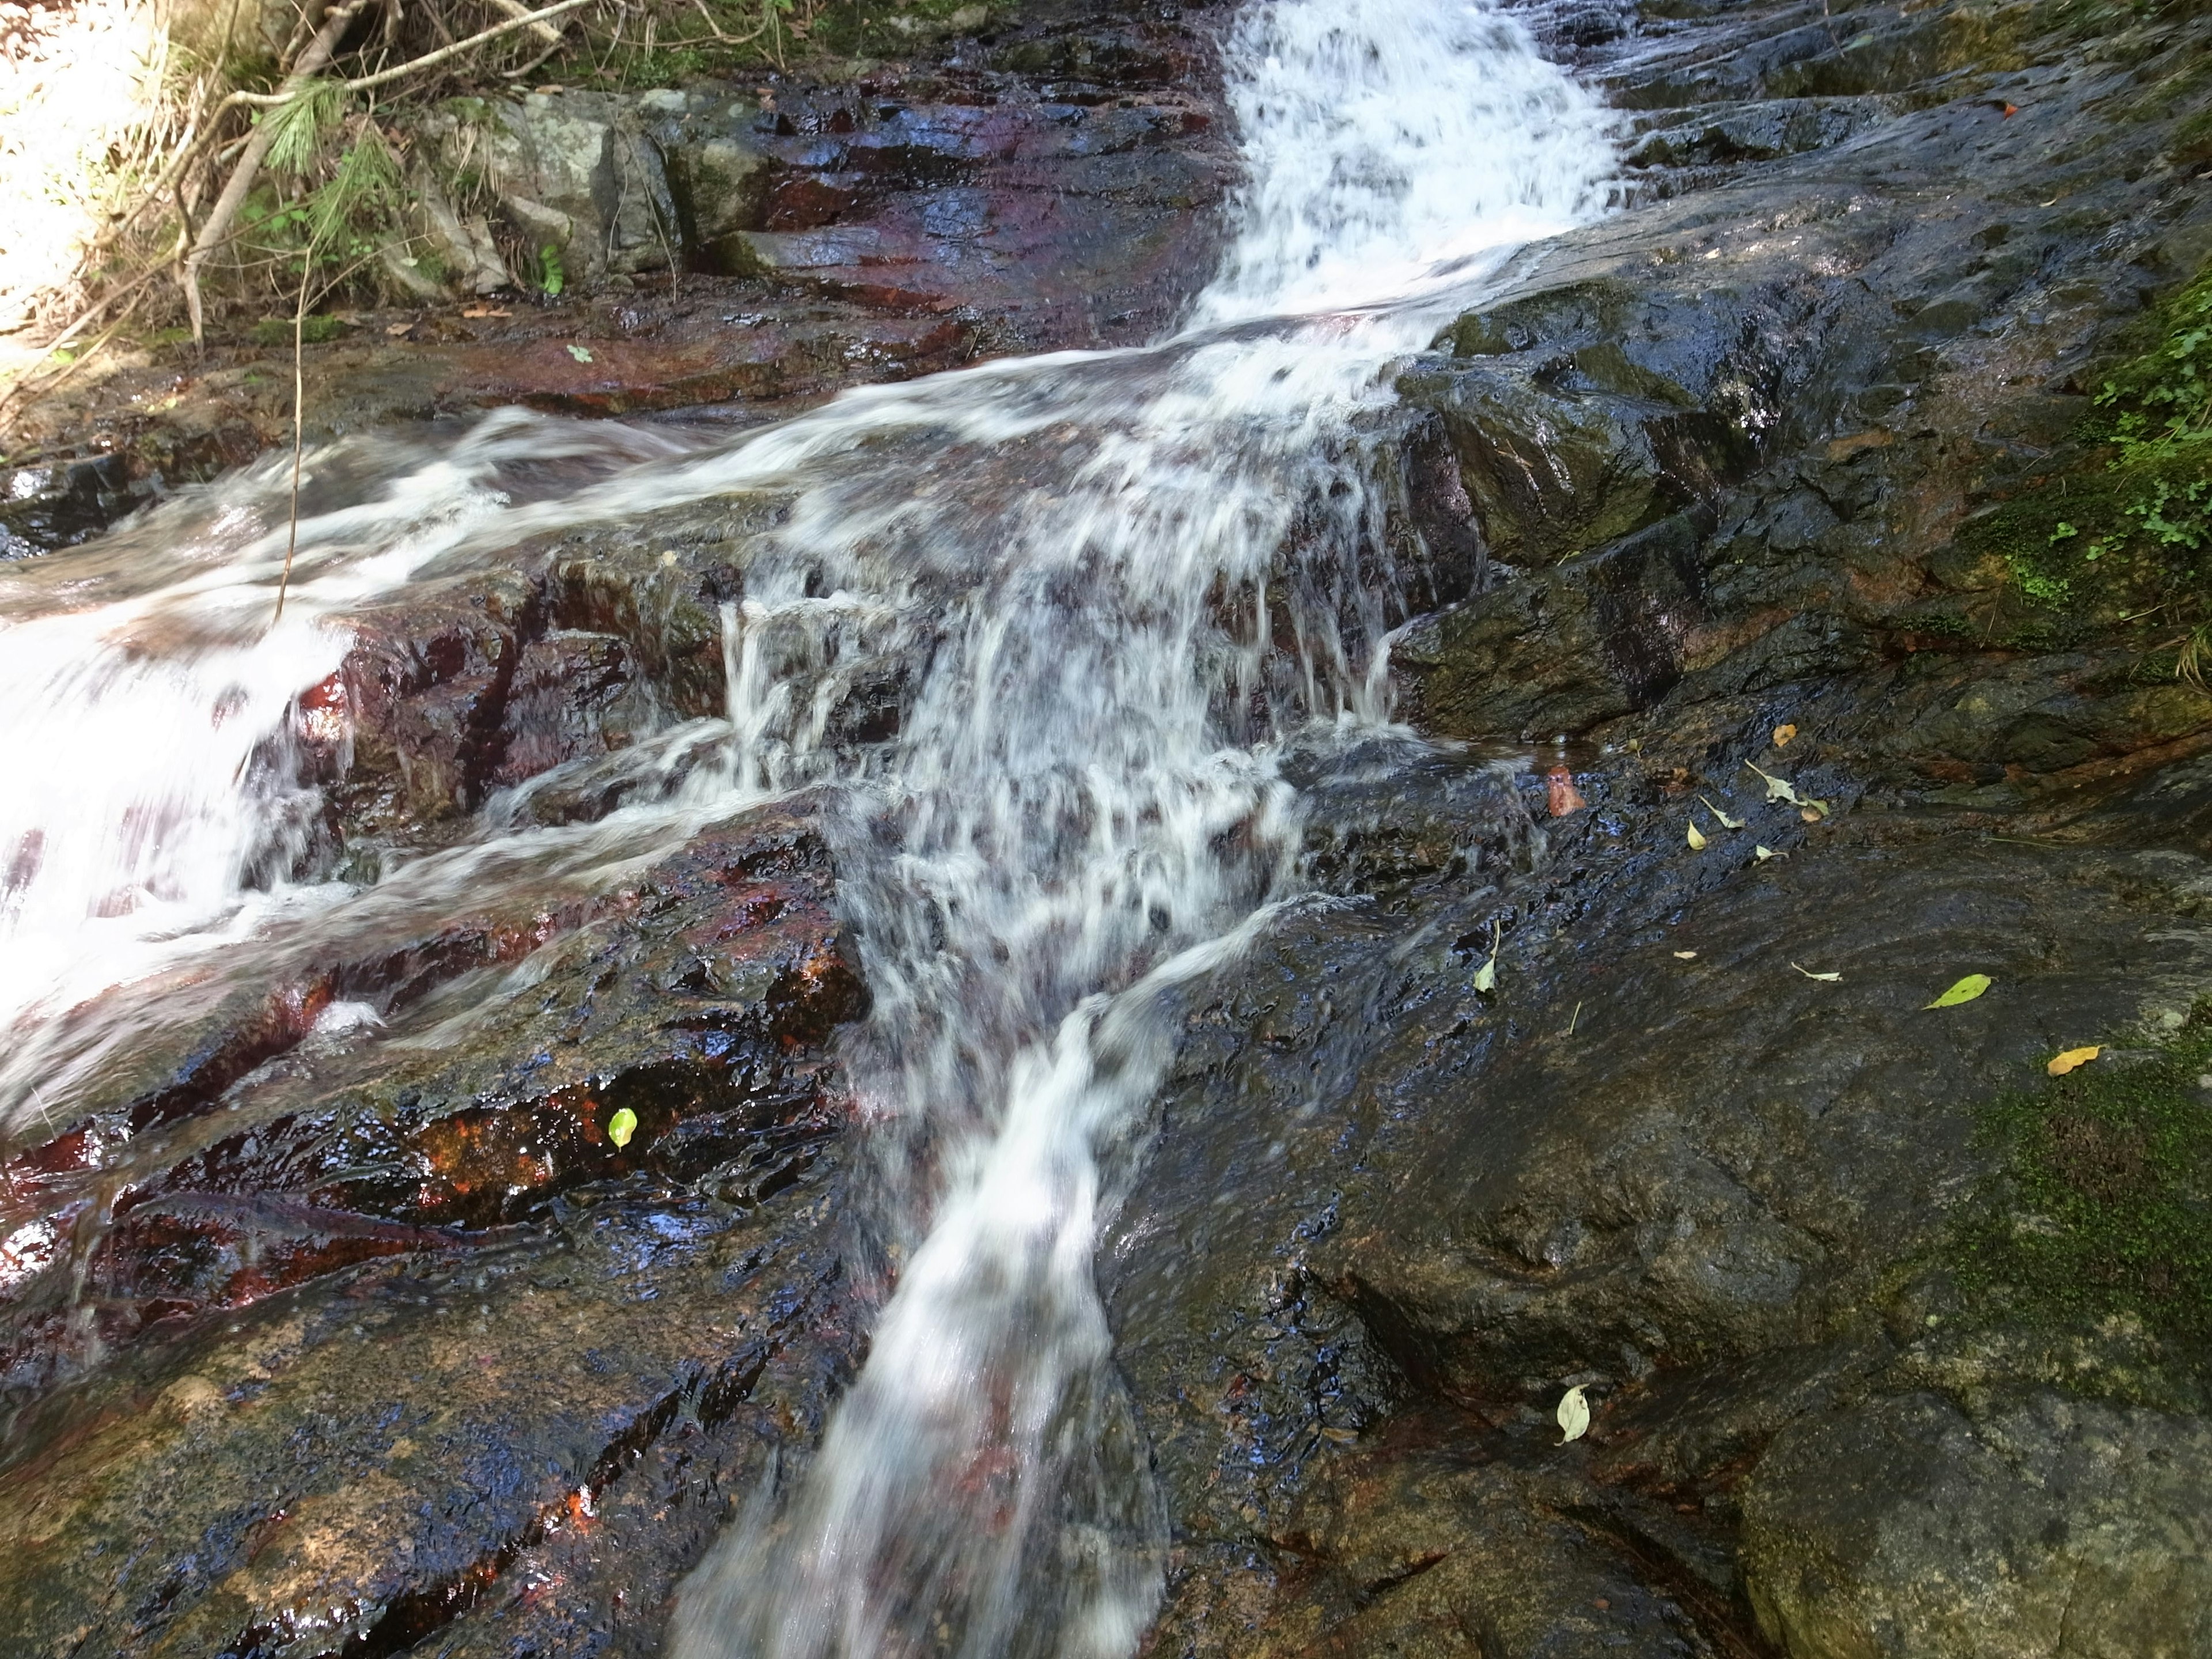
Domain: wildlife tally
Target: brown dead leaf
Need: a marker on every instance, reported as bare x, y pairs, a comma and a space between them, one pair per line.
1685, 955
474, 311
395, 329
1783, 734
2062, 1064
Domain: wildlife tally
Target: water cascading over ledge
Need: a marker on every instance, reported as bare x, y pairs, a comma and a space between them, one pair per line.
1096, 597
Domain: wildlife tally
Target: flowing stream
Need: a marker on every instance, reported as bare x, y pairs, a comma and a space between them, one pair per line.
1112, 587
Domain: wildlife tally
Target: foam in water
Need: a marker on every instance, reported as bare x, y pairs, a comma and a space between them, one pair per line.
1079, 567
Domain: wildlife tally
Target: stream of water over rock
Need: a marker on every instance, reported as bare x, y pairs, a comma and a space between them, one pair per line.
1109, 589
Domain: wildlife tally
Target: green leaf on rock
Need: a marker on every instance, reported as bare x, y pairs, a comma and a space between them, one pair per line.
1965, 991
1828, 979
1486, 977
621, 1127
579, 354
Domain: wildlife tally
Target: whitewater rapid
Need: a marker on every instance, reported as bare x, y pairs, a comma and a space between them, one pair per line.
1115, 585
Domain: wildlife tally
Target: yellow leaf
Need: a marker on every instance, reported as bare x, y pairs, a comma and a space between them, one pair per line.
2062, 1064
1778, 789
1813, 810
1696, 838
1965, 991
1830, 979
1763, 853
1486, 977
1574, 1414
1726, 823
621, 1127
1685, 955
1783, 734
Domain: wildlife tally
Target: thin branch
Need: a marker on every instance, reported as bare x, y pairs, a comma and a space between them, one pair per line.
517, 10
299, 425
428, 60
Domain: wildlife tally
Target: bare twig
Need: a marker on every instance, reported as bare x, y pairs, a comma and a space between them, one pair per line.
316, 53
299, 425
520, 13
286, 94
732, 39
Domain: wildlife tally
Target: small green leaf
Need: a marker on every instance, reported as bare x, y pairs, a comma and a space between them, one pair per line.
1726, 823
1965, 991
1826, 979
579, 354
621, 1127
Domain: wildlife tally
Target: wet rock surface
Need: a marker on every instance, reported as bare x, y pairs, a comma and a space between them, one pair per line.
1719, 452
319, 1344
314, 1342
1047, 179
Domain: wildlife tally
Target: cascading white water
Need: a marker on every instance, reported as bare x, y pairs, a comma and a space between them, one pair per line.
1080, 568
135, 813
1086, 808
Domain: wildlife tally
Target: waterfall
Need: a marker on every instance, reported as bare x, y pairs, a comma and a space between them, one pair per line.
1082, 806
1113, 586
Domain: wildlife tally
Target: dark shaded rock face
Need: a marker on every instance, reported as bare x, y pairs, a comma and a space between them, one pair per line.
408, 1340
1718, 452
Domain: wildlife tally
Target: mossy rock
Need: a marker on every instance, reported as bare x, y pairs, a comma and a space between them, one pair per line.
313, 331
2104, 1210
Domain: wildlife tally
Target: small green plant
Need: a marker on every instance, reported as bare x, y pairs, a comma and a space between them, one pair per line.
551, 276
2160, 406
2120, 527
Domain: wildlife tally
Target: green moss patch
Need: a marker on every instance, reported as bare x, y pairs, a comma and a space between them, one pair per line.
2103, 1207
2119, 529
